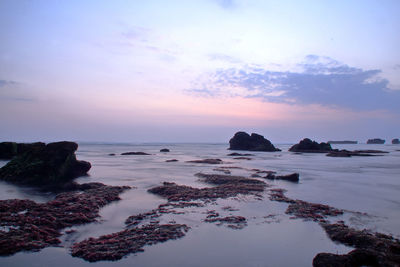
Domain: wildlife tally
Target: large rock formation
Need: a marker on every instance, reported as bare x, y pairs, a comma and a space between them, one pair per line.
45, 165
308, 146
375, 141
8, 150
396, 141
253, 142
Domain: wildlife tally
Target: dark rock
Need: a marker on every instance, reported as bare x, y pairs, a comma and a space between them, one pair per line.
8, 150
33, 226
375, 141
357, 257
396, 141
207, 161
49, 165
111, 154
171, 160
253, 142
164, 150
294, 177
372, 249
235, 154
134, 153
243, 158
308, 146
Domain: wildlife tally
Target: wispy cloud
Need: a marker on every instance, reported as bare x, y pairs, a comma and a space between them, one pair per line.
11, 91
318, 80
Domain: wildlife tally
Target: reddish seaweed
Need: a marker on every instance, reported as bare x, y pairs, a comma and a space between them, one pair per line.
31, 226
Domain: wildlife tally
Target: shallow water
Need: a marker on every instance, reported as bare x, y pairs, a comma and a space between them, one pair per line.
359, 184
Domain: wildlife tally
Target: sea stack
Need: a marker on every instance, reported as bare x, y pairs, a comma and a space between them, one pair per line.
253, 142
396, 141
308, 146
48, 165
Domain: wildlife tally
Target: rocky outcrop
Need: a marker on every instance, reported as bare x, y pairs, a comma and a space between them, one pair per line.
8, 150
396, 141
253, 142
308, 146
164, 150
372, 249
31, 226
375, 141
46, 165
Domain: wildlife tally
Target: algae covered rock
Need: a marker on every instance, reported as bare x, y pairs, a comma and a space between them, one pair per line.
253, 142
46, 165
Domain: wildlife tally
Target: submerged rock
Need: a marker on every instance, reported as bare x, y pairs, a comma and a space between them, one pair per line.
309, 146
226, 186
131, 240
396, 141
375, 141
359, 153
171, 160
33, 226
50, 165
304, 210
235, 154
207, 161
8, 150
164, 150
253, 142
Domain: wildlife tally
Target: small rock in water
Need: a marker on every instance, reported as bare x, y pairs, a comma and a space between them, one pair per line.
294, 177
171, 160
134, 153
207, 161
164, 150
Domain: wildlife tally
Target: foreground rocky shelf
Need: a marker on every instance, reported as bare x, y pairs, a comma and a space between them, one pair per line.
26, 225
372, 249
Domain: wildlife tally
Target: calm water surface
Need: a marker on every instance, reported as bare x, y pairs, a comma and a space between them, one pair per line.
359, 184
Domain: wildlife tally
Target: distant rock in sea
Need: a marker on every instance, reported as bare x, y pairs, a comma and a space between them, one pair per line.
253, 142
396, 141
309, 146
342, 142
375, 141
8, 150
164, 150
134, 153
45, 165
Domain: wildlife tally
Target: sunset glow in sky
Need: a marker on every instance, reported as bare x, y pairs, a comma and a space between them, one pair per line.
198, 71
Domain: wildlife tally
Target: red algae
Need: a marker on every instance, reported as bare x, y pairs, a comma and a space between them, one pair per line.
31, 226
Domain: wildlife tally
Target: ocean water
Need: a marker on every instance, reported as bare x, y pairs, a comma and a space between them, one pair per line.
368, 188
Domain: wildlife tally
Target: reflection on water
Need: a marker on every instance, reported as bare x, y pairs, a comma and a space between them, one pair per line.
364, 184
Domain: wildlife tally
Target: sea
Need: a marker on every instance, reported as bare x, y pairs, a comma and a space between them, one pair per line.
367, 188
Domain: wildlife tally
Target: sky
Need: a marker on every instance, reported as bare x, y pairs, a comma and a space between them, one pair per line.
199, 71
